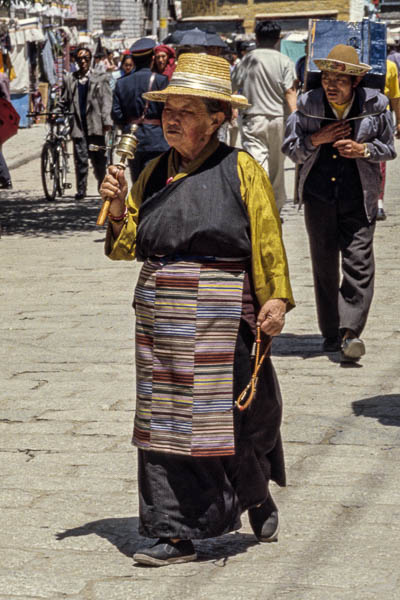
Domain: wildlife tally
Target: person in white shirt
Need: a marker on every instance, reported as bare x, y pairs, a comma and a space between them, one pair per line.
267, 78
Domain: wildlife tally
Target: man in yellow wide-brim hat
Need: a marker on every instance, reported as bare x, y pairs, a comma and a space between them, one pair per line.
340, 133
203, 219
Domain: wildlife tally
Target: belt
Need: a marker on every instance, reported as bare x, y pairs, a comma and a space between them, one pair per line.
146, 121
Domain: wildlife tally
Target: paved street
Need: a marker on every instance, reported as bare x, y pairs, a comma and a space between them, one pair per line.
68, 493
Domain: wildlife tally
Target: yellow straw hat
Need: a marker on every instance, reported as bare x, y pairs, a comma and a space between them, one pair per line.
342, 59
203, 76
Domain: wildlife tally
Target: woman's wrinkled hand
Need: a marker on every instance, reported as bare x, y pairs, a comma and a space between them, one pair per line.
115, 188
330, 133
271, 317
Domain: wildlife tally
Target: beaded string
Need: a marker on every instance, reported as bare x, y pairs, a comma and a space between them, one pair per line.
119, 218
247, 396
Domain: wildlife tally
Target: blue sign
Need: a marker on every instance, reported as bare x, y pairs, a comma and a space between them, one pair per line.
367, 37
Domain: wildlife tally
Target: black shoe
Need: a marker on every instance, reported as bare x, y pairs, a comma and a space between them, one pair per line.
332, 344
264, 521
165, 552
381, 215
80, 196
7, 185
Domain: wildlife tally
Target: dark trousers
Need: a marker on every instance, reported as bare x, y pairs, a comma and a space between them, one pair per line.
4, 172
81, 159
341, 243
137, 164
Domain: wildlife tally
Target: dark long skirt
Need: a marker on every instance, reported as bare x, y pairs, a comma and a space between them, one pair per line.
196, 498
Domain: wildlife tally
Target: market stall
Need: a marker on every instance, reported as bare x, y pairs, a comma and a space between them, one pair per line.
34, 54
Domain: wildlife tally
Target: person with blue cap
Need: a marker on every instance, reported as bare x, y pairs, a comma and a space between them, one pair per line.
130, 108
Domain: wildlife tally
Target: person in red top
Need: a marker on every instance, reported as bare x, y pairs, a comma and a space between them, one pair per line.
5, 177
164, 60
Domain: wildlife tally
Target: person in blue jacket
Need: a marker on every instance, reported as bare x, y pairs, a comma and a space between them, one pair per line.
130, 108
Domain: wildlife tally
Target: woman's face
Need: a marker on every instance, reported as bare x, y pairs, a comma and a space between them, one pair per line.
187, 125
128, 65
161, 61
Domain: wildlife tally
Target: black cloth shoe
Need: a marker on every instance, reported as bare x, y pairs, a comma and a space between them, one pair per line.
332, 344
7, 185
381, 215
79, 196
264, 521
165, 552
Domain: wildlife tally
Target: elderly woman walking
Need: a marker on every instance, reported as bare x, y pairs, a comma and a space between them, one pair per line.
203, 219
341, 132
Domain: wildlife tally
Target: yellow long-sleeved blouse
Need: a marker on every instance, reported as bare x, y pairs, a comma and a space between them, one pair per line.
269, 263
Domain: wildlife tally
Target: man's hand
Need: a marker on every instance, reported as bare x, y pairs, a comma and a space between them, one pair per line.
115, 188
330, 133
271, 317
349, 148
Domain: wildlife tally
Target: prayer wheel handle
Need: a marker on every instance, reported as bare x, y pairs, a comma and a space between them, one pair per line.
126, 150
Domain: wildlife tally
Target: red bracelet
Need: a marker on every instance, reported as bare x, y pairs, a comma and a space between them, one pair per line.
119, 217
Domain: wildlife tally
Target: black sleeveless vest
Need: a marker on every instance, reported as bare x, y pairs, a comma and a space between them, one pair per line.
202, 214
333, 177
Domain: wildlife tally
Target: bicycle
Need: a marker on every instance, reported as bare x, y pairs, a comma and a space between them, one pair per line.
54, 166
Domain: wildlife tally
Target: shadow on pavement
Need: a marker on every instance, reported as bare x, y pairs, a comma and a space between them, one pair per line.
305, 346
220, 549
123, 534
386, 409
22, 213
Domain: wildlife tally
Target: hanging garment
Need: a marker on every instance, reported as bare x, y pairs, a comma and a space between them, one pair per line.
19, 59
46, 55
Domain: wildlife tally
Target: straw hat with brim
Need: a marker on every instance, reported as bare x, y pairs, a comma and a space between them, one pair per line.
342, 59
202, 76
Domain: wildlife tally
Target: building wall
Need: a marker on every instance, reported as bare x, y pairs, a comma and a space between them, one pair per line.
248, 9
130, 10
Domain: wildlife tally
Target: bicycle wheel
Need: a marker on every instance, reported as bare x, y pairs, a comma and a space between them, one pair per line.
62, 169
49, 171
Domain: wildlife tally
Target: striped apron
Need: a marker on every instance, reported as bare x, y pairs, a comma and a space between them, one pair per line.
187, 320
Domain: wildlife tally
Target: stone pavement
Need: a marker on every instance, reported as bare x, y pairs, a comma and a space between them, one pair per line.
68, 493
25, 146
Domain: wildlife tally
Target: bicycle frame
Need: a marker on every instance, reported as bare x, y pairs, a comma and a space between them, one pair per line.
54, 155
